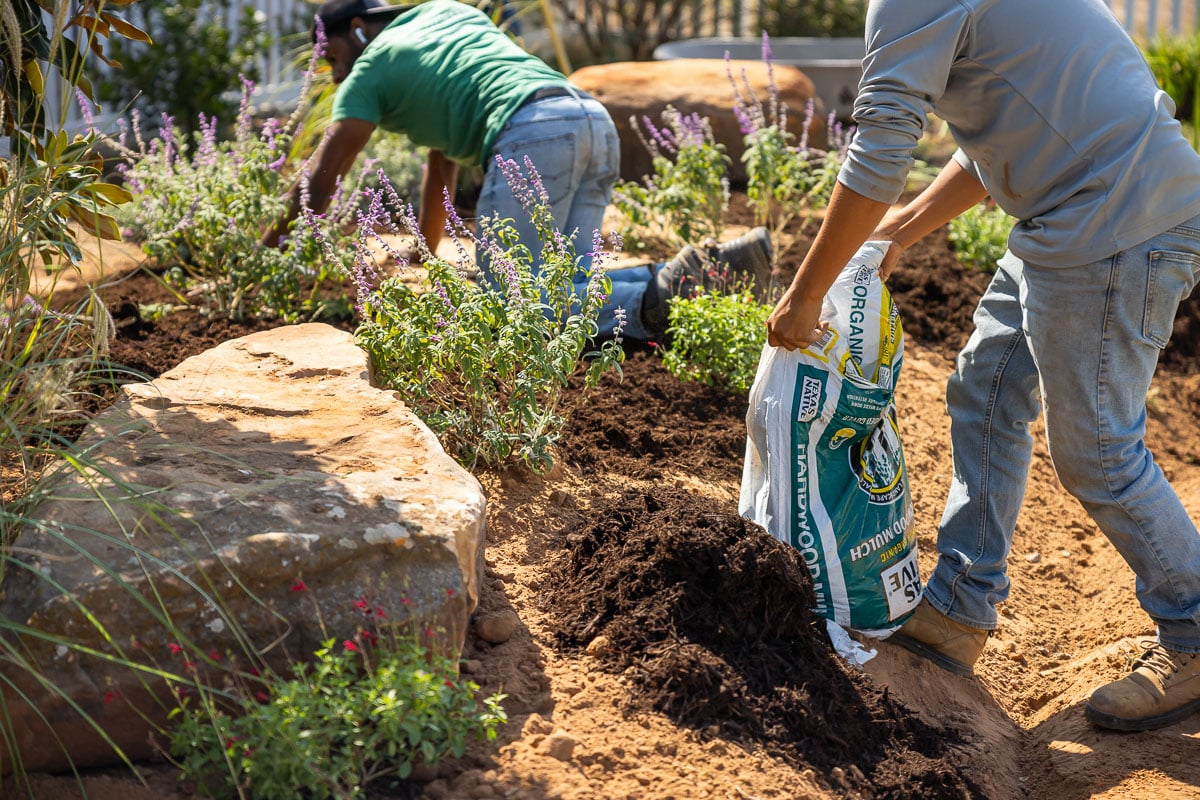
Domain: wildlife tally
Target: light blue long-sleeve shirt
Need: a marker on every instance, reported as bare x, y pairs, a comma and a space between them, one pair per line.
1053, 108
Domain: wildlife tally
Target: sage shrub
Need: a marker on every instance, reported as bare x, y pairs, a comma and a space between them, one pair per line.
485, 364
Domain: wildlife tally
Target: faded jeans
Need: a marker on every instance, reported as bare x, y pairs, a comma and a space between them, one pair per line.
573, 144
1085, 342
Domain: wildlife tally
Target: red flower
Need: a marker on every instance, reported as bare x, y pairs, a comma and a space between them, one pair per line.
262, 696
214, 655
449, 593
299, 586
174, 648
109, 697
362, 605
369, 637
350, 646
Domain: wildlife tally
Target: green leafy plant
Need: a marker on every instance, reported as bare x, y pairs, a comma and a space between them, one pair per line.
979, 236
367, 709
686, 198
199, 211
194, 61
485, 365
716, 338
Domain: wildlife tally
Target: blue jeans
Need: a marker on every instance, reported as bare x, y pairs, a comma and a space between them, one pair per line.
573, 144
1084, 341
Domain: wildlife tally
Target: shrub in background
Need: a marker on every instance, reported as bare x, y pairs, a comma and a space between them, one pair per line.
485, 367
979, 236
192, 65
686, 198
812, 17
716, 338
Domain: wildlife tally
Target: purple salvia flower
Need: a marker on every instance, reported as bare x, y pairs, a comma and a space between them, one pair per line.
85, 110
535, 180
660, 136
243, 117
320, 44
206, 153
137, 130
809, 113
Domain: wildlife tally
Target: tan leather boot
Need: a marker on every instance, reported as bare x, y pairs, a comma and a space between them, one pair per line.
1164, 687
948, 643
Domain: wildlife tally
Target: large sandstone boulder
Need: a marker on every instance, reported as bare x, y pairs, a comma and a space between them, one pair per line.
637, 89
263, 497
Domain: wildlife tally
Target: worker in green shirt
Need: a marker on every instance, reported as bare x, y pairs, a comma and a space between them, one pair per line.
442, 73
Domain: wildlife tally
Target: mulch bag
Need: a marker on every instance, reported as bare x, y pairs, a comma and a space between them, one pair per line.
824, 469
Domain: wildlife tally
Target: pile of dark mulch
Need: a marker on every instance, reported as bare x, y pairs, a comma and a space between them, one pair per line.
709, 617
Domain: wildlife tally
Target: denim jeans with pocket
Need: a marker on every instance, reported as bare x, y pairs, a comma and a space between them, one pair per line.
1082, 342
572, 142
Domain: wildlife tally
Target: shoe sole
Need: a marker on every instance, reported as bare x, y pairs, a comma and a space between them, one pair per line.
925, 651
1115, 723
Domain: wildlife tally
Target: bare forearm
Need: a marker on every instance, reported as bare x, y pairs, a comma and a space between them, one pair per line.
952, 192
441, 178
849, 221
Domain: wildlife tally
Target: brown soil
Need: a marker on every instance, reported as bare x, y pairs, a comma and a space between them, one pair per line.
665, 648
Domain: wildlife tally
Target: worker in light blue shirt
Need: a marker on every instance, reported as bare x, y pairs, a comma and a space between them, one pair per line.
1059, 120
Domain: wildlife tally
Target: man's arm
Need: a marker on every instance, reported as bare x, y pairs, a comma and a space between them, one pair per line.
441, 175
850, 220
341, 144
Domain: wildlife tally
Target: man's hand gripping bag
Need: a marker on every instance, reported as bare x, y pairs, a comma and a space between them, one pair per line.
824, 469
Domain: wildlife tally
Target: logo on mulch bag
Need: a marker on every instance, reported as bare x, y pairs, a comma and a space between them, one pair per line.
810, 399
878, 462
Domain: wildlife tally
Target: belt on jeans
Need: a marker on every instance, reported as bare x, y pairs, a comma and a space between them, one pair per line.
557, 91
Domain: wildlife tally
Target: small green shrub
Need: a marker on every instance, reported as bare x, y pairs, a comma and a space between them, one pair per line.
685, 200
979, 236
716, 339
485, 366
368, 709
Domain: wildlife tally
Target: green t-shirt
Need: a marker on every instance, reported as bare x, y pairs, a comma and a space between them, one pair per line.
444, 75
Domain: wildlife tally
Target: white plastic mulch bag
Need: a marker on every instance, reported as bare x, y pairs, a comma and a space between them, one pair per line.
824, 468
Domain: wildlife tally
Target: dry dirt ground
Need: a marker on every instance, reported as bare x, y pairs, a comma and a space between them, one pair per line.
645, 700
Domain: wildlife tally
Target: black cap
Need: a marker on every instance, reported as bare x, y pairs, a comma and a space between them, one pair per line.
336, 13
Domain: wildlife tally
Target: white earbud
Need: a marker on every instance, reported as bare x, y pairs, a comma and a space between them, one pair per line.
358, 34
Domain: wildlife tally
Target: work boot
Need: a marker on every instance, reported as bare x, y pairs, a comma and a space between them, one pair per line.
946, 642
743, 262
1164, 687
